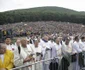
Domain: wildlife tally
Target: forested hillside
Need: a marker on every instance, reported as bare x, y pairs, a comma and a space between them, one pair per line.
42, 14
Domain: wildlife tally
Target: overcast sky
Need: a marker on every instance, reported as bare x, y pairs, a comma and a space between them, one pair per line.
5, 5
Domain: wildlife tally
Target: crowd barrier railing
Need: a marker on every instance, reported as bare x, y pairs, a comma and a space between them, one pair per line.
39, 65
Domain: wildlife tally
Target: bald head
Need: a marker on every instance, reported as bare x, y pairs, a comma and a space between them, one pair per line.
23, 42
45, 37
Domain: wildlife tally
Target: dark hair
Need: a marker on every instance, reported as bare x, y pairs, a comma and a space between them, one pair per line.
7, 37
82, 38
76, 38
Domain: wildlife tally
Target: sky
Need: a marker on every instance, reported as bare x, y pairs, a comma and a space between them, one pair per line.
6, 5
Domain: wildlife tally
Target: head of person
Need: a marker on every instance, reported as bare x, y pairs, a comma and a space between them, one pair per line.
39, 39
60, 38
8, 40
2, 48
76, 38
67, 41
71, 37
28, 41
36, 42
57, 40
83, 39
23, 42
18, 42
45, 37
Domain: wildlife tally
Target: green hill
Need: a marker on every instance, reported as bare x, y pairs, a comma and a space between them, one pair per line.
45, 9
42, 14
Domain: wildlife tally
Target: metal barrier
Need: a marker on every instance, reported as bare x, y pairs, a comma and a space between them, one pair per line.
83, 68
39, 65
52, 64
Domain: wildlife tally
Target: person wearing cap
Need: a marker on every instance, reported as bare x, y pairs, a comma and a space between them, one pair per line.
6, 58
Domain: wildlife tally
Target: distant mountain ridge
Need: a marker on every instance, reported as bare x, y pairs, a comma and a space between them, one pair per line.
42, 14
47, 9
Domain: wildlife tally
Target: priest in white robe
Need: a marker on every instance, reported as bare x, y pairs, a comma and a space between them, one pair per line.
25, 55
46, 51
75, 54
38, 54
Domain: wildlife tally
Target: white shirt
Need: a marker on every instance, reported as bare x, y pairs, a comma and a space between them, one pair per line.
58, 49
44, 45
67, 48
38, 49
82, 45
76, 47
11, 47
2, 57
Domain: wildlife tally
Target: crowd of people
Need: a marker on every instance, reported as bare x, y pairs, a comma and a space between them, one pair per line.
44, 26
69, 50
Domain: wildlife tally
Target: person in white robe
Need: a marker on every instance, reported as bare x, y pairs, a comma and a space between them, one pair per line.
82, 47
38, 54
75, 51
46, 51
66, 50
58, 47
18, 61
54, 62
25, 55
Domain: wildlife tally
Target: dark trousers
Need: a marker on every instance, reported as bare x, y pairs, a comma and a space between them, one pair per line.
81, 60
53, 66
65, 64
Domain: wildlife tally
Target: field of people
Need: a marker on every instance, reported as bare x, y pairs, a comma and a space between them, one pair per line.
44, 26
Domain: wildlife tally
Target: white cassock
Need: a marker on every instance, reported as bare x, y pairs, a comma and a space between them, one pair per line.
58, 49
46, 51
82, 47
59, 53
67, 50
38, 52
75, 49
53, 47
18, 60
24, 53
